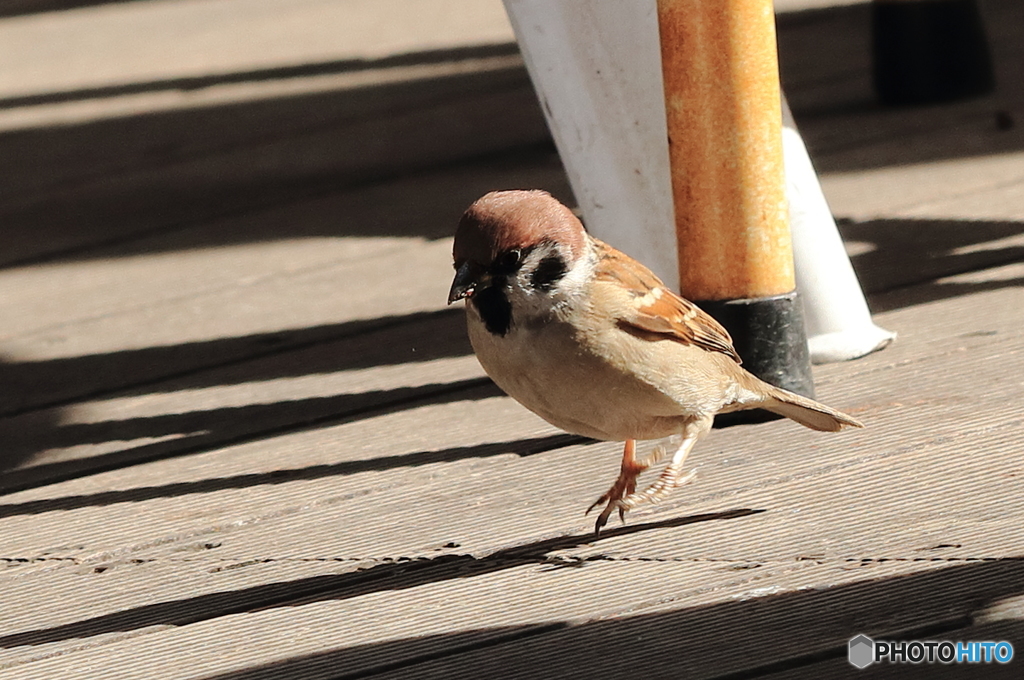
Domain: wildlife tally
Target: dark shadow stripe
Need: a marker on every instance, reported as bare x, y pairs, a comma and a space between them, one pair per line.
521, 447
339, 66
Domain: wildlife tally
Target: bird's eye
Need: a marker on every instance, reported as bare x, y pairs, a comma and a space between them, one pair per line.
510, 259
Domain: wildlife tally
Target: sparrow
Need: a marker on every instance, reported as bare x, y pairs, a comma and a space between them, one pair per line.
594, 343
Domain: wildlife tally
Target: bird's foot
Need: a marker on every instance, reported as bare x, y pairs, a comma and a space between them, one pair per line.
624, 487
623, 495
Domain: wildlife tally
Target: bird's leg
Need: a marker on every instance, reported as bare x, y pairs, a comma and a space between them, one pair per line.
670, 478
625, 484
623, 495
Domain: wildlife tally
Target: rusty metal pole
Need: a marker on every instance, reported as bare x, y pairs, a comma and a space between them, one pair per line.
723, 108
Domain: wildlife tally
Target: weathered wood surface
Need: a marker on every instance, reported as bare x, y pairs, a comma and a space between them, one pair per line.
246, 439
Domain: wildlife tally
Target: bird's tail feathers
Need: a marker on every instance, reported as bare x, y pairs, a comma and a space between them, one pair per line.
807, 412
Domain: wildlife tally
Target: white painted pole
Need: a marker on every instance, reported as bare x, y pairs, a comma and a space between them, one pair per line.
597, 70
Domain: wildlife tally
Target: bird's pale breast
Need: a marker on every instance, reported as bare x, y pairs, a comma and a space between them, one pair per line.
551, 371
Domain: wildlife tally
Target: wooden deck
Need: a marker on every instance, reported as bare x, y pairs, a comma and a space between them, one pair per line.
243, 438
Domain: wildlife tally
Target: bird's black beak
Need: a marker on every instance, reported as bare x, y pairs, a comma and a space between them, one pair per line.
467, 278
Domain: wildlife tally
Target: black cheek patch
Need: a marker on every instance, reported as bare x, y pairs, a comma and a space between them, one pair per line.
549, 271
495, 309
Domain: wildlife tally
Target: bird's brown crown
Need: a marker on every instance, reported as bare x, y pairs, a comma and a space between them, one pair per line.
503, 220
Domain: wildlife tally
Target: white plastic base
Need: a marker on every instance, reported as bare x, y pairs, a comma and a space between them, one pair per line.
853, 343
836, 316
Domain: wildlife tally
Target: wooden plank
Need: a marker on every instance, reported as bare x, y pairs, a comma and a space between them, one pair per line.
209, 329
70, 187
130, 145
344, 476
953, 247
415, 358
964, 324
735, 637
923, 191
256, 249
111, 43
428, 623
121, 319
517, 596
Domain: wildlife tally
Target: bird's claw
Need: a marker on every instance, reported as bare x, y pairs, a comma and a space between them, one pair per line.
623, 496
624, 486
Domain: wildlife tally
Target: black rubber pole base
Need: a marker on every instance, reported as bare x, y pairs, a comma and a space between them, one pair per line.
929, 51
769, 336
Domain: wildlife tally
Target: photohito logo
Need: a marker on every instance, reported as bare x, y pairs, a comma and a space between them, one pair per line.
863, 651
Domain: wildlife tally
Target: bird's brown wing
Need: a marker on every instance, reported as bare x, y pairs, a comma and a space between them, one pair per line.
654, 309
